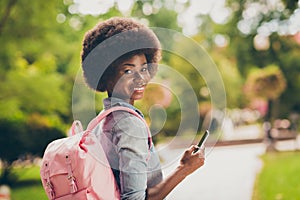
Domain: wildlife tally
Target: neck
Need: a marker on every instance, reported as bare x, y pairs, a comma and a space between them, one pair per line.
131, 101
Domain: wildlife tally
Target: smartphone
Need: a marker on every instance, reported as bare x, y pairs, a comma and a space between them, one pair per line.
202, 140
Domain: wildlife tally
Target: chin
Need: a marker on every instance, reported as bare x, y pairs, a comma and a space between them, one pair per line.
137, 97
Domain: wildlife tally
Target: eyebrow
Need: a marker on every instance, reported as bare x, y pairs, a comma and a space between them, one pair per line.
133, 65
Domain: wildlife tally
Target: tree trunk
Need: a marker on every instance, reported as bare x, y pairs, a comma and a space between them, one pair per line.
268, 116
268, 120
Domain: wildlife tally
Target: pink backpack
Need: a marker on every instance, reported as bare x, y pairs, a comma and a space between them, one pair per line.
76, 167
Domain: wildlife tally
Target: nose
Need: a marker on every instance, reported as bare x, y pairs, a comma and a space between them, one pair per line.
139, 78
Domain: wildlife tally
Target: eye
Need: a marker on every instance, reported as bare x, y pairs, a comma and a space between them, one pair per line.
127, 71
145, 68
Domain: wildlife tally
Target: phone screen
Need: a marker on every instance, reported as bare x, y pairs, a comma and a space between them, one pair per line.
203, 139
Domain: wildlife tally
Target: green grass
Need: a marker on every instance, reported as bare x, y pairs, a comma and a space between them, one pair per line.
279, 178
29, 186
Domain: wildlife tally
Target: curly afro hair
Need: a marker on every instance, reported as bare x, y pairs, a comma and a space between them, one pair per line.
113, 41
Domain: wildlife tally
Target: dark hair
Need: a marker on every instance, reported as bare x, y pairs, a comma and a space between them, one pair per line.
113, 41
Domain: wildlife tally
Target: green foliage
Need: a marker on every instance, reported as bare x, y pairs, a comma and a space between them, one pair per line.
34, 94
169, 21
33, 100
21, 138
278, 178
232, 78
34, 88
267, 83
289, 58
283, 50
40, 57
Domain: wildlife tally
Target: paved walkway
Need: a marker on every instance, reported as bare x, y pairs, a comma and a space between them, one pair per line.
228, 174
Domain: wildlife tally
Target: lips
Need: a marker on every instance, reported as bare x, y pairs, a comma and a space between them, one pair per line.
139, 89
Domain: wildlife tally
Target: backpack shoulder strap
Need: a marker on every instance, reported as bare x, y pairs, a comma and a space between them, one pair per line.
105, 113
92, 125
75, 128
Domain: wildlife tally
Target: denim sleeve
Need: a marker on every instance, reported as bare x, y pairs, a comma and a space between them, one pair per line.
131, 140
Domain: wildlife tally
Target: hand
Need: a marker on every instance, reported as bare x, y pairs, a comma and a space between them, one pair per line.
191, 160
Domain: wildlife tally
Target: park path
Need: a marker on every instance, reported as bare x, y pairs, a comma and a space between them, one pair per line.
228, 174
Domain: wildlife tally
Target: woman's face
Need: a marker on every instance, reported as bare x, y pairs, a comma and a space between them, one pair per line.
130, 80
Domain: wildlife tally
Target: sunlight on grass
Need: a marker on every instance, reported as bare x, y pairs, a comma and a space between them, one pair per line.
279, 178
29, 192
27, 173
29, 185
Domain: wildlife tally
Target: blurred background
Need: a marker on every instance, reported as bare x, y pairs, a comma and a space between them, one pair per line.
254, 44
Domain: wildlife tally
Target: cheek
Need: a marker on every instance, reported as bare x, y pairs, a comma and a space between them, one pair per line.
124, 84
147, 77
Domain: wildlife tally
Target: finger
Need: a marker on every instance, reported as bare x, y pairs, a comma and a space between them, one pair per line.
202, 152
193, 149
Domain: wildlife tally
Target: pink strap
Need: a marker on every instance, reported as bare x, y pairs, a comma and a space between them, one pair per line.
92, 125
75, 128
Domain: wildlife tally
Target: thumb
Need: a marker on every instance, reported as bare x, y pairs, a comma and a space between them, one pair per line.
193, 148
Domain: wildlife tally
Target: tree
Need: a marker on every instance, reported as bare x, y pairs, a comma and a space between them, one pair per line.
257, 34
34, 96
18, 140
267, 83
39, 58
32, 101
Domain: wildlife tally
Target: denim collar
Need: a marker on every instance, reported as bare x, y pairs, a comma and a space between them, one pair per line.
113, 101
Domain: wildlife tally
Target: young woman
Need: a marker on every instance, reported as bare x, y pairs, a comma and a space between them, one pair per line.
120, 56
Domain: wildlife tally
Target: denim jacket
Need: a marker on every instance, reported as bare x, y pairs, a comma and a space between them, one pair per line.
125, 141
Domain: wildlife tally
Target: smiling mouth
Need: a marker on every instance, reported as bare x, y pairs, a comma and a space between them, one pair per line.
139, 89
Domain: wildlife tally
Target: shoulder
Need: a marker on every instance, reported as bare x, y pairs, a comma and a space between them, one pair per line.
124, 119
130, 132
